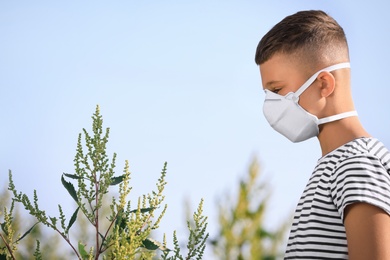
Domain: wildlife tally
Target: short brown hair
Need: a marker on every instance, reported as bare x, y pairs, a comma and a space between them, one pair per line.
312, 34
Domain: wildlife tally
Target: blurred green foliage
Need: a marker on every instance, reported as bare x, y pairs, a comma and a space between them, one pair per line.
242, 232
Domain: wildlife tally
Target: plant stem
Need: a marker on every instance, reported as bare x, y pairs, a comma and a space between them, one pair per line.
107, 231
68, 241
97, 218
8, 247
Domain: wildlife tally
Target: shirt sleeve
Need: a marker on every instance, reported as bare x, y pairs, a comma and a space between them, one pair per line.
361, 178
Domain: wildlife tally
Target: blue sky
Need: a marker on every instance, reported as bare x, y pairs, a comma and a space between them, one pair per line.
176, 81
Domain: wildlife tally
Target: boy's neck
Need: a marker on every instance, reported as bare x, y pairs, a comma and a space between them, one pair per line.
335, 134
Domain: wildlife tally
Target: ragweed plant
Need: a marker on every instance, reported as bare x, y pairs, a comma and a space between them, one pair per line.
9, 237
125, 231
7, 247
196, 240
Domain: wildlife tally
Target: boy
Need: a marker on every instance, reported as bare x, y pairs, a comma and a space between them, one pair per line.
344, 210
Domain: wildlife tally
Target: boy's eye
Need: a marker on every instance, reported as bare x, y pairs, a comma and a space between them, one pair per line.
276, 90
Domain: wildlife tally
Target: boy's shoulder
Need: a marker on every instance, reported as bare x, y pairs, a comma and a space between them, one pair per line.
359, 148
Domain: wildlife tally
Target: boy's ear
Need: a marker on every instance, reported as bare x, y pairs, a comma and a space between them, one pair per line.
327, 82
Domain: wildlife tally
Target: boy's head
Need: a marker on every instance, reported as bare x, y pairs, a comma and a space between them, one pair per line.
312, 39
304, 65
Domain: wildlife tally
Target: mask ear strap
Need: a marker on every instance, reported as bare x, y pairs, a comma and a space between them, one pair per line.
336, 117
313, 78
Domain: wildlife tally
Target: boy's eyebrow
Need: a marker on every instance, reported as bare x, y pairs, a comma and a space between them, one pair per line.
270, 83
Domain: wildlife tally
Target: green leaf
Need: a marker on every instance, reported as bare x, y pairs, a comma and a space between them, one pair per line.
144, 210
117, 180
82, 251
152, 244
72, 219
70, 188
3, 257
27, 232
72, 176
3, 228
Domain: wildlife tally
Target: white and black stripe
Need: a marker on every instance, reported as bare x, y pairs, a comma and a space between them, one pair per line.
358, 171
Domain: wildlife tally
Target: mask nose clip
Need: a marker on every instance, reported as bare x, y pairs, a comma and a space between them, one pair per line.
295, 98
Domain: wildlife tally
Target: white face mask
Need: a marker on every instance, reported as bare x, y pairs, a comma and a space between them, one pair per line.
288, 118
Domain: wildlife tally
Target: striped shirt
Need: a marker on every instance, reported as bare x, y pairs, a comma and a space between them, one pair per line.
358, 171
